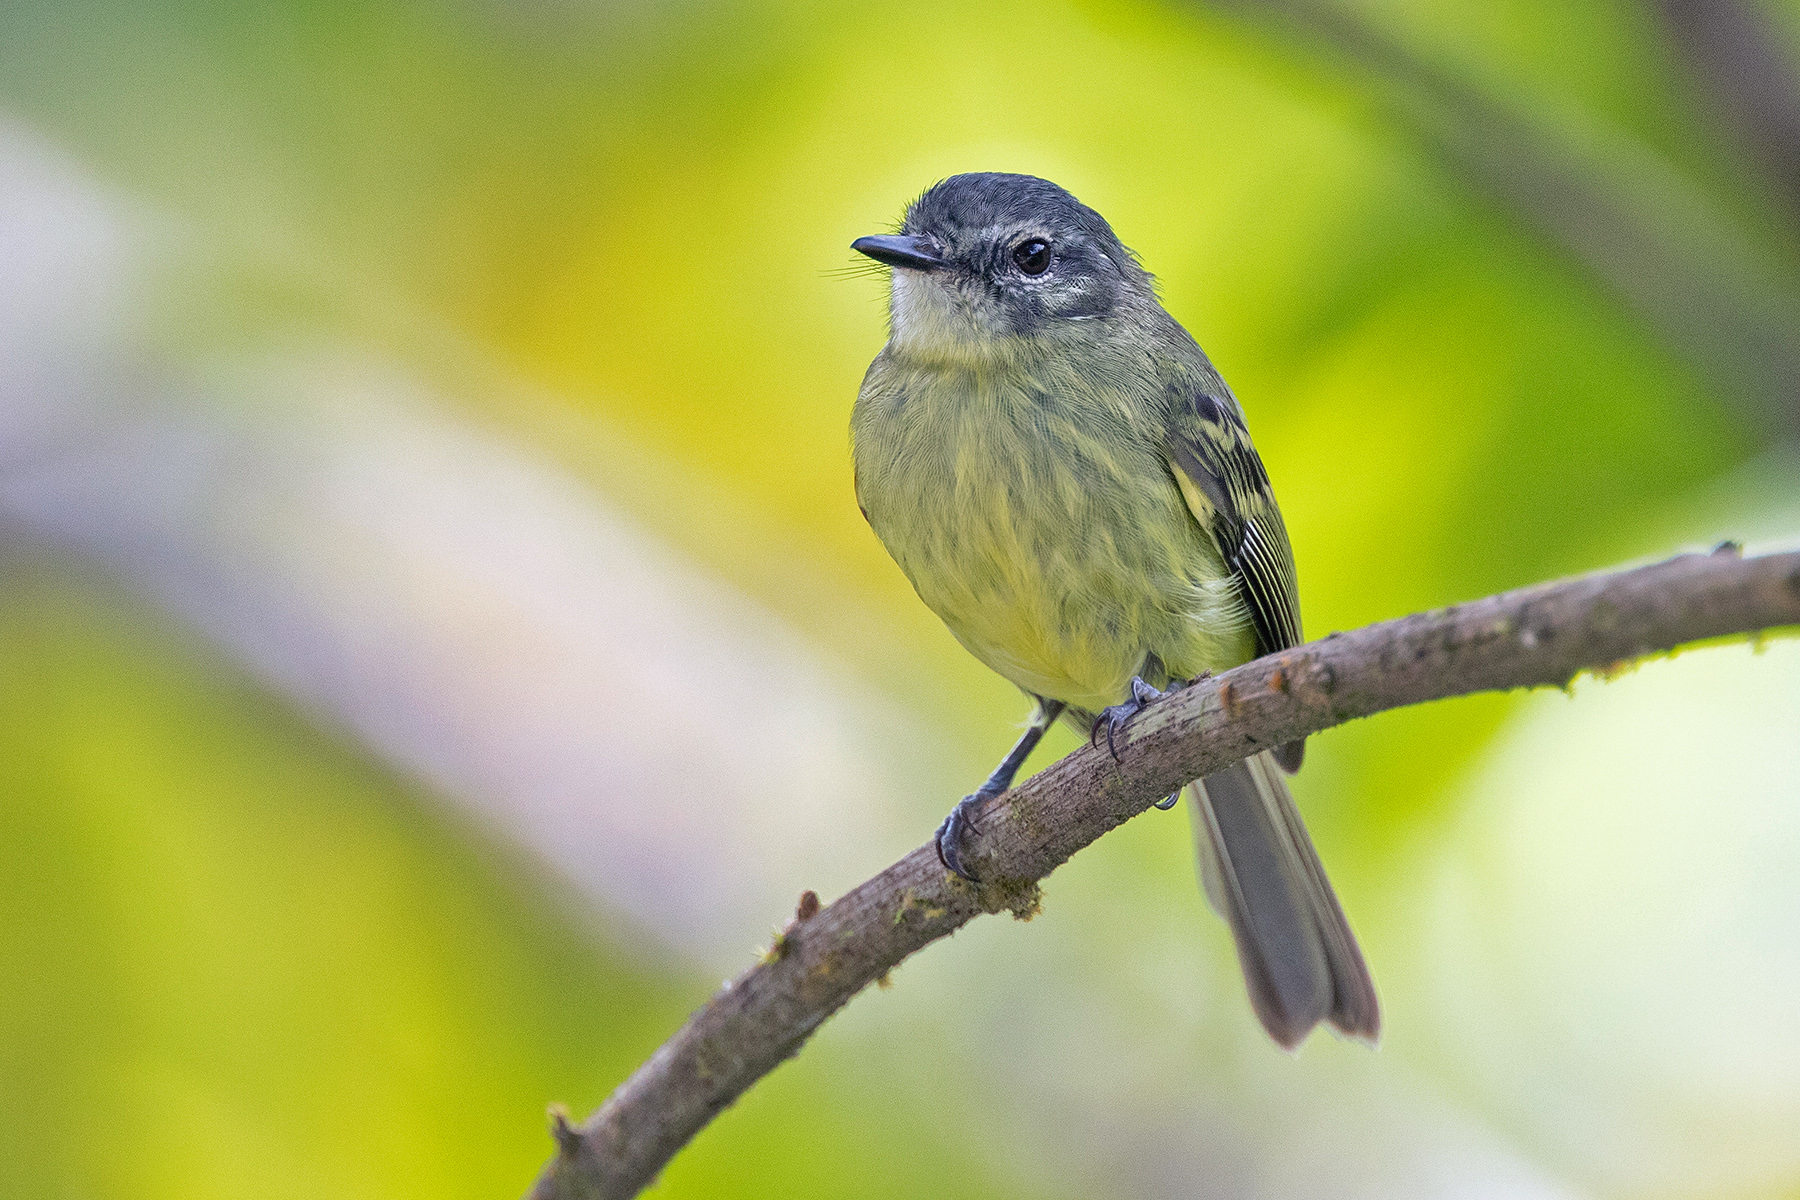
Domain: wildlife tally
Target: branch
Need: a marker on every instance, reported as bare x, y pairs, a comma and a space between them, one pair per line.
1543, 635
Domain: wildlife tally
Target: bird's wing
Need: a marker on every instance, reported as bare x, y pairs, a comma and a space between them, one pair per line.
1222, 478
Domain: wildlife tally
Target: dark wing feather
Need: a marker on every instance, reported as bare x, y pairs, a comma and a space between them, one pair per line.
1222, 477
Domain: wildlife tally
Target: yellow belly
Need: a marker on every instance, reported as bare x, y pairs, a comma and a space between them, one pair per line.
1054, 544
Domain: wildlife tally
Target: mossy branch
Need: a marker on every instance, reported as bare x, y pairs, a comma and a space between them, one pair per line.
1537, 636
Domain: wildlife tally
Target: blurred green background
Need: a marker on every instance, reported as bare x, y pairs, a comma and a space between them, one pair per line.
438, 640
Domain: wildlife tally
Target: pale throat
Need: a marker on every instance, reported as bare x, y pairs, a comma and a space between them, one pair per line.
930, 323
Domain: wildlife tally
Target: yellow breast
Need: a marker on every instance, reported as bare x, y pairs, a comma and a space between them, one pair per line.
1043, 526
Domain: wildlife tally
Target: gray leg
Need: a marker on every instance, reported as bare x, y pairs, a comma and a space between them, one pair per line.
961, 820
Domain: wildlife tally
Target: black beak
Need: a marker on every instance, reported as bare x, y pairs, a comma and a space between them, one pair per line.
896, 250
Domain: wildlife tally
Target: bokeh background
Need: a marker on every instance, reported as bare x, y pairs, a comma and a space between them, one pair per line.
438, 641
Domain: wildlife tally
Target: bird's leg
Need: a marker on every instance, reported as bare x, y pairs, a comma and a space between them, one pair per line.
1115, 717
961, 820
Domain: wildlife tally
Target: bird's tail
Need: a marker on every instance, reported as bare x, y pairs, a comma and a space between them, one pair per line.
1261, 873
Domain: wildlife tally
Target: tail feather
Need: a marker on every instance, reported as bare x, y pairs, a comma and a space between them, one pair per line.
1300, 960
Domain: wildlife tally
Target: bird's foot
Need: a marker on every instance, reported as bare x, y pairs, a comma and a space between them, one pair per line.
1169, 801
958, 825
1115, 717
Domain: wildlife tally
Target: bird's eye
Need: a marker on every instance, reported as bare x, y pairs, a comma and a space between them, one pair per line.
1032, 256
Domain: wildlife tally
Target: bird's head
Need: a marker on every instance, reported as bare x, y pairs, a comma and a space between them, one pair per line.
986, 262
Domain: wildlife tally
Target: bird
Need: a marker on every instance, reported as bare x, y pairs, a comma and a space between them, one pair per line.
1069, 484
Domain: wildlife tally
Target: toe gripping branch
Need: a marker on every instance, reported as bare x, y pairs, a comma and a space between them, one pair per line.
1115, 717
958, 825
961, 821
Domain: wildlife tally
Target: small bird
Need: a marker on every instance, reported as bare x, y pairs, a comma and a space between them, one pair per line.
1069, 484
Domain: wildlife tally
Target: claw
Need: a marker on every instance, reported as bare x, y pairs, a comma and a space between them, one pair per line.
1115, 717
1169, 801
950, 834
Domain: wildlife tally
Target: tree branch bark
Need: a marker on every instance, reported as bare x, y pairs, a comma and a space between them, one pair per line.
1543, 635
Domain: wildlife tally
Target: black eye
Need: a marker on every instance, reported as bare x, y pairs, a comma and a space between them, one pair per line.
1032, 256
